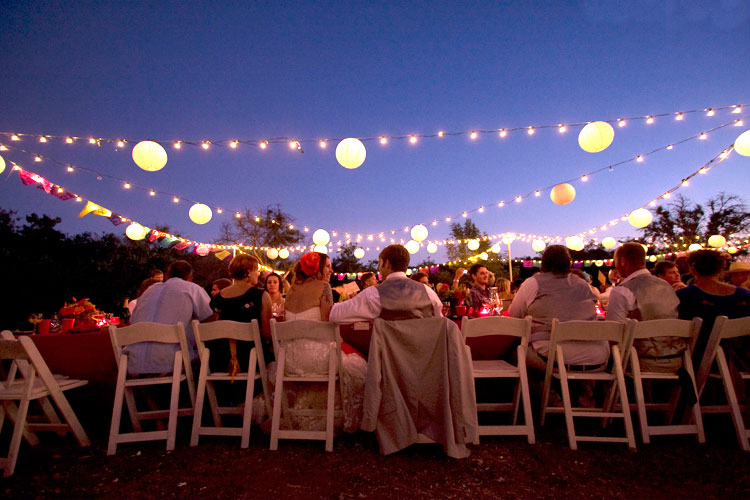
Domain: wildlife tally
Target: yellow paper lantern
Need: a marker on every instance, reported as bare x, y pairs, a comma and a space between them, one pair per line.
742, 143
694, 247
412, 246
202, 249
483, 255
2, 165
321, 237
562, 194
149, 155
409, 272
432, 248
200, 213
596, 137
272, 253
473, 244
640, 217
732, 250
351, 153
135, 231
359, 253
538, 245
609, 242
599, 263
717, 241
419, 233
652, 258
283, 253
320, 249
574, 243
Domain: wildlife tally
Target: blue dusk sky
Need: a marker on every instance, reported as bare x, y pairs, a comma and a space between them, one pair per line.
307, 71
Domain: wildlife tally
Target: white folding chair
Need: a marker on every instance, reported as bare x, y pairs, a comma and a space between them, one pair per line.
240, 332
726, 329
588, 331
26, 361
149, 332
319, 331
501, 369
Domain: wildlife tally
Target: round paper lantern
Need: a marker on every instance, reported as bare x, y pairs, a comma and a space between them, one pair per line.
507, 240
538, 245
412, 246
599, 263
562, 194
409, 272
149, 155
596, 136
320, 249
419, 233
321, 237
202, 249
717, 241
609, 242
272, 253
497, 248
135, 231
694, 247
483, 255
732, 250
742, 143
652, 258
473, 244
432, 248
640, 217
351, 153
200, 213
574, 243
283, 253
359, 253
2, 165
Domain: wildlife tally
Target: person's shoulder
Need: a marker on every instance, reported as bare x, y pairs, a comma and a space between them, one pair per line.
688, 291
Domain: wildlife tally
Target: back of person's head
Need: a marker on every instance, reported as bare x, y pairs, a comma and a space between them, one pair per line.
706, 262
661, 267
682, 265
556, 259
516, 284
363, 279
397, 255
580, 274
633, 254
503, 285
180, 269
147, 283
473, 270
419, 276
242, 265
222, 283
310, 265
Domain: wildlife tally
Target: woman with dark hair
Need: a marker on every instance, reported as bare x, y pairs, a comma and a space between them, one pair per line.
274, 289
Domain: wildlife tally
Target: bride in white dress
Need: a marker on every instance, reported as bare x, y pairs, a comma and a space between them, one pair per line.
310, 298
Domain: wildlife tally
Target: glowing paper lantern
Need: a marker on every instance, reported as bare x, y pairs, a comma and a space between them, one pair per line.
321, 237
599, 263
2, 165
419, 233
732, 250
473, 244
507, 240
200, 213
497, 248
320, 248
432, 248
351, 153
272, 253
483, 255
574, 242
562, 194
149, 155
742, 143
409, 272
359, 253
694, 247
412, 246
596, 136
609, 242
538, 245
652, 258
202, 249
283, 253
135, 231
717, 241
640, 217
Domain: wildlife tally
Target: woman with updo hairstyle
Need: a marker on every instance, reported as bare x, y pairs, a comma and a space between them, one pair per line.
310, 296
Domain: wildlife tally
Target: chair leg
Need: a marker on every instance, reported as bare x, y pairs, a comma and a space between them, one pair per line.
623, 397
213, 402
174, 401
199, 398
697, 415
640, 399
526, 399
114, 428
9, 408
249, 391
15, 441
516, 401
726, 377
277, 400
49, 411
135, 418
332, 375
569, 424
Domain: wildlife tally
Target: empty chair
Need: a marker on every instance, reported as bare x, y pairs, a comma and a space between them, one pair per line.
502, 369
181, 372
256, 369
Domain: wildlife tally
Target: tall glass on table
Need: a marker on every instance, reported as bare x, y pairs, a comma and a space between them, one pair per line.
35, 319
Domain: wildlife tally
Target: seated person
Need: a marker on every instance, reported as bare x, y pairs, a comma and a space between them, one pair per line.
480, 291
587, 278
421, 278
668, 271
503, 289
219, 285
739, 274
144, 286
274, 289
367, 280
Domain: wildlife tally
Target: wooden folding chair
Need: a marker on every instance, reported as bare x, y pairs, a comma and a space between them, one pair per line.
240, 332
665, 328
312, 330
149, 332
588, 331
27, 361
725, 329
501, 369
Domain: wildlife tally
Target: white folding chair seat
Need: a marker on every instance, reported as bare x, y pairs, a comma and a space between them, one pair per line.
240, 332
181, 372
588, 331
27, 362
502, 369
319, 331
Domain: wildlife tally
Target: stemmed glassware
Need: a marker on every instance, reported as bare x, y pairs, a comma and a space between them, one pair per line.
35, 319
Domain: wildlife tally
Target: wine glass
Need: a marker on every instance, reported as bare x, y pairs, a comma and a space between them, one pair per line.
35, 319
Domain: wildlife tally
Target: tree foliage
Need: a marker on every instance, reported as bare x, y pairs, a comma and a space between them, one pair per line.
345, 261
461, 232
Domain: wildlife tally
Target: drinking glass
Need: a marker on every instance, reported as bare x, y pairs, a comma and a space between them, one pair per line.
35, 319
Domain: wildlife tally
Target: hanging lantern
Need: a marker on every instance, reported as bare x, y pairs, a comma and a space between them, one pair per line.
694, 247
507, 240
596, 137
432, 248
609, 242
652, 258
562, 194
599, 263
149, 155
574, 243
2, 165
742, 143
717, 241
732, 250
473, 244
272, 253
640, 217
497, 248
283, 253
359, 253
351, 153
320, 249
135, 231
409, 272
419, 233
538, 245
202, 249
483, 255
200, 213
321, 237
412, 246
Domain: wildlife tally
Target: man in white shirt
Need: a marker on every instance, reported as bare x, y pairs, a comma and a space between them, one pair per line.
396, 298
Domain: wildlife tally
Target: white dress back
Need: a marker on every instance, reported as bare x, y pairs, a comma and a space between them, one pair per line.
310, 314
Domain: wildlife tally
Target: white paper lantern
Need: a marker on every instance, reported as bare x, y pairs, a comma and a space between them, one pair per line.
717, 241
320, 249
599, 263
652, 258
359, 253
272, 253
507, 240
283, 253
538, 245
732, 250
412, 246
351, 153
432, 248
135, 231
596, 137
640, 217
200, 213
419, 233
409, 272
574, 243
321, 237
202, 249
149, 155
562, 194
497, 248
2, 165
609, 242
742, 143
483, 255
473, 244
694, 247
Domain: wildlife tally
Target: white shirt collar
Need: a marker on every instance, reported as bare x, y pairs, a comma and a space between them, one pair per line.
635, 274
397, 274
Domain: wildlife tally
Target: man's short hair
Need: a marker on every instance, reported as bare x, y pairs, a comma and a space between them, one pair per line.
418, 276
706, 262
365, 277
222, 283
556, 259
473, 270
180, 269
633, 253
397, 255
661, 267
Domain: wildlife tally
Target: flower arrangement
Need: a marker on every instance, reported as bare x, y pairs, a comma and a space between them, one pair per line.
455, 295
82, 310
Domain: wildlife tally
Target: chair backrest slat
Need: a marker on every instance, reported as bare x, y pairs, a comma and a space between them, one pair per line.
301, 329
612, 331
497, 325
225, 329
666, 328
733, 328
